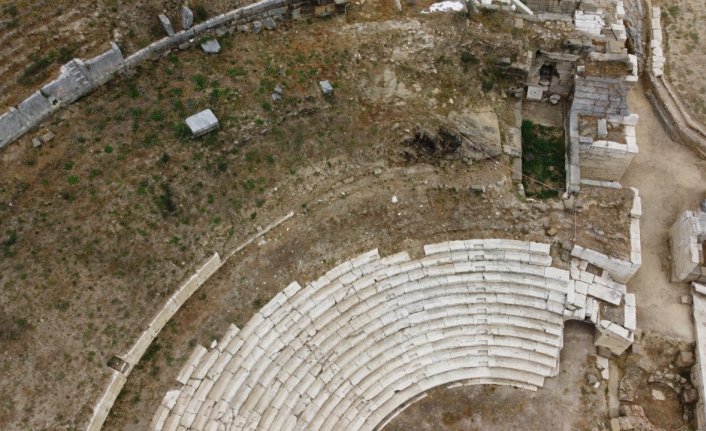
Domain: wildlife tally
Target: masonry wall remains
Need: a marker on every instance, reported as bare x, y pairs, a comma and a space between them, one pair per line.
78, 78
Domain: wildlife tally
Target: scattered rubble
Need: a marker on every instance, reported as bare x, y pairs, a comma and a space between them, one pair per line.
166, 25
211, 46
326, 87
187, 18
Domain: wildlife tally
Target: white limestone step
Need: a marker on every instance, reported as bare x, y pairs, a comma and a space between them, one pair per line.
308, 325
299, 366
254, 376
446, 308
517, 274
395, 369
487, 244
422, 383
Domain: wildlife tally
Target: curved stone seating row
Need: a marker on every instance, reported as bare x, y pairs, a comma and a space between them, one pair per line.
348, 349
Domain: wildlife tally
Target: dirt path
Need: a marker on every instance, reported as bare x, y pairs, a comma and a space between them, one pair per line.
671, 179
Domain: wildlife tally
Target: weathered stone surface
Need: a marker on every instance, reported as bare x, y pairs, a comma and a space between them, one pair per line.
535, 92
103, 67
12, 125
478, 132
202, 123
685, 359
187, 18
36, 106
166, 24
602, 128
269, 23
211, 46
277, 93
326, 87
256, 26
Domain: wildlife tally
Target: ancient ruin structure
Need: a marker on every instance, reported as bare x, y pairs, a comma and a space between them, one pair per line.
358, 345
687, 237
354, 347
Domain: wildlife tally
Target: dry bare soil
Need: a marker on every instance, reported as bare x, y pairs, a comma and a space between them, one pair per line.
684, 33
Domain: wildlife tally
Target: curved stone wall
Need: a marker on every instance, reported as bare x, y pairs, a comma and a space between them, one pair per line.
168, 310
78, 78
674, 115
354, 347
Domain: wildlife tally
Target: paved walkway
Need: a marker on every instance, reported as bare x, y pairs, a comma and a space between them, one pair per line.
671, 178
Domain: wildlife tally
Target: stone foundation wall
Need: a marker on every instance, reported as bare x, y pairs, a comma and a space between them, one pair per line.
102, 408
667, 103
78, 78
605, 160
171, 306
566, 7
687, 251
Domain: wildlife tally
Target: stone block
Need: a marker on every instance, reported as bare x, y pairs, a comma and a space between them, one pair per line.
35, 107
535, 92
103, 67
166, 24
602, 128
269, 23
202, 123
326, 87
187, 18
685, 359
211, 46
12, 125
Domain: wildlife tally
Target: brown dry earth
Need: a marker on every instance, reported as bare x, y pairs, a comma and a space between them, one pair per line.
671, 179
684, 33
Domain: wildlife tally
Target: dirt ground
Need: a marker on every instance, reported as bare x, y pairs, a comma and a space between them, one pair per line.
565, 403
684, 32
671, 179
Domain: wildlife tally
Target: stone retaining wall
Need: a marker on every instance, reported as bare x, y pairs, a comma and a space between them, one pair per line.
667, 103
686, 237
697, 371
78, 78
102, 408
171, 306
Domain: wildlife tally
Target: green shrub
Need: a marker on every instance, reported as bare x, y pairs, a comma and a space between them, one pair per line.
36, 71
199, 81
200, 12
165, 201
181, 131
543, 151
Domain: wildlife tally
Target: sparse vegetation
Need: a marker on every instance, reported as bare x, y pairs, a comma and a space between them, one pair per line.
543, 155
